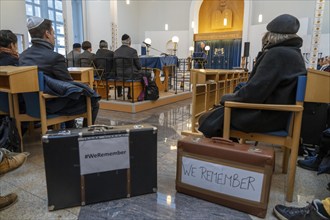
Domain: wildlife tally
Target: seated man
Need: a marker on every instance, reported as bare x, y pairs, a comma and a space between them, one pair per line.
124, 68
72, 57
104, 57
273, 80
86, 58
53, 65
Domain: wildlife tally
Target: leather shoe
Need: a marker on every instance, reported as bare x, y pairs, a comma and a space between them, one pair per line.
311, 163
11, 161
313, 211
7, 201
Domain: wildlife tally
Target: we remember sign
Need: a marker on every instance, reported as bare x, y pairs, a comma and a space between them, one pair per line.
103, 153
223, 179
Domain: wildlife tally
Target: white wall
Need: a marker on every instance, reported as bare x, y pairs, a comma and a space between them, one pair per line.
128, 21
98, 20
141, 19
13, 17
303, 10
160, 39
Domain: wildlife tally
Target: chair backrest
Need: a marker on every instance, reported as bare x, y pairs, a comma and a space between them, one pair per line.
4, 107
301, 88
31, 99
85, 62
123, 68
106, 64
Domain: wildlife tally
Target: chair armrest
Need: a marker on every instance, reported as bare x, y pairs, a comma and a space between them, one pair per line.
47, 96
290, 108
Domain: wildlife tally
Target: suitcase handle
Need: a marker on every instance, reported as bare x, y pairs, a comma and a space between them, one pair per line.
99, 127
222, 140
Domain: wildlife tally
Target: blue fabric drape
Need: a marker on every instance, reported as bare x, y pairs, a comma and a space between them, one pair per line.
223, 54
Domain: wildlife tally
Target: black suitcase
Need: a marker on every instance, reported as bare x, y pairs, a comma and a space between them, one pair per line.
314, 122
66, 187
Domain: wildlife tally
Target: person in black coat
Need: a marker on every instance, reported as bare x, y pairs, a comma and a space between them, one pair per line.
8, 48
273, 80
104, 58
52, 64
127, 62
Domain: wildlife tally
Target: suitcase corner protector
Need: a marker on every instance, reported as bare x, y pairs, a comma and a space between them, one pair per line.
51, 207
45, 138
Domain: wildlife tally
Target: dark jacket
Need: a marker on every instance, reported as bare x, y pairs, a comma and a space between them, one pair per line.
85, 59
127, 63
70, 92
42, 54
53, 64
273, 80
104, 60
72, 58
8, 60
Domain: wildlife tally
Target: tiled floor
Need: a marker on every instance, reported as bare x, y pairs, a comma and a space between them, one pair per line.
30, 184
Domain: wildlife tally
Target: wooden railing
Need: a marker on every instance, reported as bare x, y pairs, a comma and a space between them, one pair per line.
208, 86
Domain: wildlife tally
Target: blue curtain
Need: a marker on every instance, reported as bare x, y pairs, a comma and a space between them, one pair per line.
223, 54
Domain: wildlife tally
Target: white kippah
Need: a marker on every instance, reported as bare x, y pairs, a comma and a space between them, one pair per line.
33, 22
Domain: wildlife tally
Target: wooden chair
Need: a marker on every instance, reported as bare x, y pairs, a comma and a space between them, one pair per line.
4, 107
103, 67
289, 138
35, 104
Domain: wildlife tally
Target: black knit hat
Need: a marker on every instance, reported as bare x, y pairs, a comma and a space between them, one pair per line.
124, 37
76, 45
284, 24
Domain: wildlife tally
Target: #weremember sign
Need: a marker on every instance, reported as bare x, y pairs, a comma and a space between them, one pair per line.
103, 153
223, 179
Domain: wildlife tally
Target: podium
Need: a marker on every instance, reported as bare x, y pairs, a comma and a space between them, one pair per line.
200, 59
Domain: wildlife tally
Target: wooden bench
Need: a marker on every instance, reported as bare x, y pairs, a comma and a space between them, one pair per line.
135, 87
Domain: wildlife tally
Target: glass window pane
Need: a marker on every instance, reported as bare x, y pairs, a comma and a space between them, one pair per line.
29, 10
59, 16
58, 5
50, 3
28, 0
37, 2
60, 41
59, 28
37, 11
51, 15
61, 50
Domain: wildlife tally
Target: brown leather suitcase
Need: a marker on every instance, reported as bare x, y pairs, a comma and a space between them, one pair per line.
227, 173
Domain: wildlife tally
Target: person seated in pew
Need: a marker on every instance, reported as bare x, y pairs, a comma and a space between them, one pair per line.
9, 161
72, 57
8, 48
124, 67
104, 57
53, 65
273, 80
86, 58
